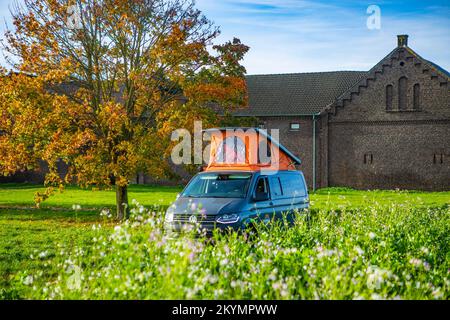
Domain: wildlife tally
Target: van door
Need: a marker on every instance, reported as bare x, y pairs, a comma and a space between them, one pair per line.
263, 205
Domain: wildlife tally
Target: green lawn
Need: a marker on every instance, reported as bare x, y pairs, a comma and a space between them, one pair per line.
24, 233
27, 232
344, 198
22, 195
19, 195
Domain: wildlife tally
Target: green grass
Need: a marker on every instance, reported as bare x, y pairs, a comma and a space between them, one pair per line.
411, 228
23, 195
379, 252
24, 233
344, 198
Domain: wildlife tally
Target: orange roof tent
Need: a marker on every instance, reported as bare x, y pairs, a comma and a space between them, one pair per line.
247, 149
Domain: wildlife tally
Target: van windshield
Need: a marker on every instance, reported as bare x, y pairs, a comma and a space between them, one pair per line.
218, 185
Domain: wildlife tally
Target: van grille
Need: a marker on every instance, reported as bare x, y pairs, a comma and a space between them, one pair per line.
201, 218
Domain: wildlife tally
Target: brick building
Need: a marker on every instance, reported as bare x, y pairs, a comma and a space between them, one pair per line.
385, 128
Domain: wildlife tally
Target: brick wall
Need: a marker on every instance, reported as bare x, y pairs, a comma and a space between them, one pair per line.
389, 155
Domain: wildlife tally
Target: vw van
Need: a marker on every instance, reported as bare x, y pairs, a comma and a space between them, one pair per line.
234, 199
250, 176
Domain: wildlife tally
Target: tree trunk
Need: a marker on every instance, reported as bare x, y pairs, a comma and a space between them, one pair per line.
122, 202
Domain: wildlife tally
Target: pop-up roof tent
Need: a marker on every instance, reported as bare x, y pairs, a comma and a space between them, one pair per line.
247, 149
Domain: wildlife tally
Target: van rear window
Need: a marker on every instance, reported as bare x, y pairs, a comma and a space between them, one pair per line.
292, 185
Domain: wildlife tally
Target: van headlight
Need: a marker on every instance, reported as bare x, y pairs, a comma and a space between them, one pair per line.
228, 218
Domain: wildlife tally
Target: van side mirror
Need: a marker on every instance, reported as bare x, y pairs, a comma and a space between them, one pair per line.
261, 196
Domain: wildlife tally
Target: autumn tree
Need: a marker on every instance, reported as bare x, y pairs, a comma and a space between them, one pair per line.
102, 82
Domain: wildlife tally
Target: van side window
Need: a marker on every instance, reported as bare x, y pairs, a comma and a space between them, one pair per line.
275, 186
261, 186
292, 185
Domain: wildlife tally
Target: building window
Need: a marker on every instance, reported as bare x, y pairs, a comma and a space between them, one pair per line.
295, 126
438, 158
368, 158
416, 97
402, 93
389, 94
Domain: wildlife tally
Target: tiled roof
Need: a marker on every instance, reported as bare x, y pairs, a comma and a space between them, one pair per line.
296, 93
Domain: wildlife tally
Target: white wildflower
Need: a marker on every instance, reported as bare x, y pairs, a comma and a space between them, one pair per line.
376, 277
28, 280
359, 250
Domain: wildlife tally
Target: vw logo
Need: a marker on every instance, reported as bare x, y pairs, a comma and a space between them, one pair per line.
193, 219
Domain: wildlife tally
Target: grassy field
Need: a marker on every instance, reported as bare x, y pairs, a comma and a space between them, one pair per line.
387, 244
22, 195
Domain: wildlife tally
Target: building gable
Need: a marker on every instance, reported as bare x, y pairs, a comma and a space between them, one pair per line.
399, 84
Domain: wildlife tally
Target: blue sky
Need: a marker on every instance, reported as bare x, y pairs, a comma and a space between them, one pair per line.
305, 36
